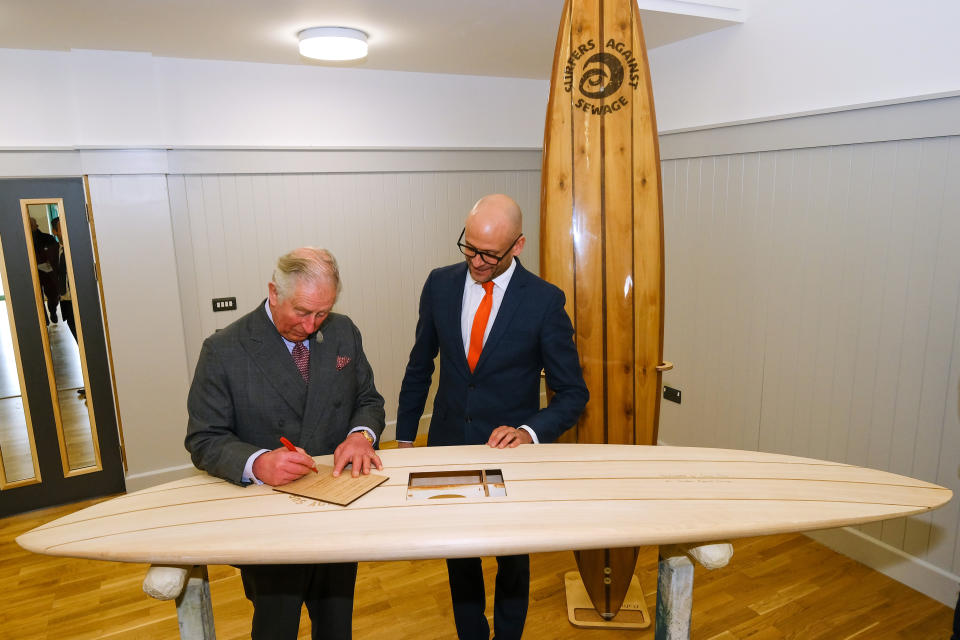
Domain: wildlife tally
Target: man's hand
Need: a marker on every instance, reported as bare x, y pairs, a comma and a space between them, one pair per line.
358, 451
404, 445
504, 436
281, 466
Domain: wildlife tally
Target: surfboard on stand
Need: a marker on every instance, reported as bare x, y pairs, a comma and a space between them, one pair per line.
548, 497
601, 238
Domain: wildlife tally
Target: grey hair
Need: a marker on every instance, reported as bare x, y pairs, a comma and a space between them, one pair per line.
307, 264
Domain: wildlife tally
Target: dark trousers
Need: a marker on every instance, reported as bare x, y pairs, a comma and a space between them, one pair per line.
51, 290
278, 591
66, 310
509, 603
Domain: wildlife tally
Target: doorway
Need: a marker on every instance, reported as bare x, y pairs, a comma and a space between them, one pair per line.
59, 440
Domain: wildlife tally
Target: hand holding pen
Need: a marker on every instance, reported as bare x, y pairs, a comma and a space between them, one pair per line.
283, 465
290, 447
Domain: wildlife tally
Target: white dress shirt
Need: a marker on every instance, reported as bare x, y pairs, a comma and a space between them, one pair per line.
472, 296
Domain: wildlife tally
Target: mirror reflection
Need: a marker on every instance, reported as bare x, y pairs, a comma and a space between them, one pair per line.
16, 442
54, 279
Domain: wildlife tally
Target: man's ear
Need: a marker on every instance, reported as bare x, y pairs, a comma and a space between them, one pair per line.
518, 247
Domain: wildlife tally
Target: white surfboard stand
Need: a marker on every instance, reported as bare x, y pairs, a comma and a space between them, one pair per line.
190, 587
675, 585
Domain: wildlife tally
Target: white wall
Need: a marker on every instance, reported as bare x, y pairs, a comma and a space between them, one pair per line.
813, 308
799, 56
387, 228
791, 56
835, 339
131, 215
175, 228
251, 105
122, 99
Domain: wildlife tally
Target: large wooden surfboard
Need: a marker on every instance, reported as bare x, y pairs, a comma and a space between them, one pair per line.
601, 234
557, 497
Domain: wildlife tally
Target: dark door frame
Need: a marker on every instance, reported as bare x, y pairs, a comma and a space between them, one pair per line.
54, 488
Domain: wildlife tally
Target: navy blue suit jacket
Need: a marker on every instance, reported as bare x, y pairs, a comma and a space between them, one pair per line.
531, 332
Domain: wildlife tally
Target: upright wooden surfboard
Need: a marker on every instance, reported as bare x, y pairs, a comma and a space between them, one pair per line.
601, 234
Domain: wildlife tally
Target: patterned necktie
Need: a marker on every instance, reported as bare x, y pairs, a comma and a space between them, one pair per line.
480, 326
301, 357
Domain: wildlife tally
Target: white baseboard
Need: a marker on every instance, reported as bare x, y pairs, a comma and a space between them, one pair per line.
914, 572
138, 481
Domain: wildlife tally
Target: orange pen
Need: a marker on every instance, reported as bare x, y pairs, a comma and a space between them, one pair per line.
289, 445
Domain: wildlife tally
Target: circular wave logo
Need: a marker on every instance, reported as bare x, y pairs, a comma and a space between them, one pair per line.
599, 74
602, 76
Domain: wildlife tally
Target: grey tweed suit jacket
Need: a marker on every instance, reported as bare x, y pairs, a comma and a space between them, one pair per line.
247, 393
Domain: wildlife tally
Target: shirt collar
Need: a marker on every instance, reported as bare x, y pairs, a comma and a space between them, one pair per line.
290, 345
502, 280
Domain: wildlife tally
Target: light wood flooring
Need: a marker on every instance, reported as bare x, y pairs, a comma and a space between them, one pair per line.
74, 409
784, 586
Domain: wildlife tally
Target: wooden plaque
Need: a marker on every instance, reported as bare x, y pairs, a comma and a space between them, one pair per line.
341, 490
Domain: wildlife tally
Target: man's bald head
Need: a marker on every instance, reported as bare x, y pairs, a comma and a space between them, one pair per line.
496, 211
494, 226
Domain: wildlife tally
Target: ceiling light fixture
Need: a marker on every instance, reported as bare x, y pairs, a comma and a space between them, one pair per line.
333, 43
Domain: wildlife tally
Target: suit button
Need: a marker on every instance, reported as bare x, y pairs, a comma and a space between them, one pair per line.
469, 419
471, 386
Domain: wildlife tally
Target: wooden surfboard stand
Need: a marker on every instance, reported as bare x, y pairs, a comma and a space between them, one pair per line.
633, 612
674, 605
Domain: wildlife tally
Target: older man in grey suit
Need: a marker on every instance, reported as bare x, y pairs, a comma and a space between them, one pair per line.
290, 368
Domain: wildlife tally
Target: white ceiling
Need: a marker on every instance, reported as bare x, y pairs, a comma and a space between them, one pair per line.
511, 38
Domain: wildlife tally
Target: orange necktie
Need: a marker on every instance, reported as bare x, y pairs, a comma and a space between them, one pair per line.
480, 325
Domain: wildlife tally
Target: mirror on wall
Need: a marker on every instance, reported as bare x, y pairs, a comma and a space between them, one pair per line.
49, 245
18, 453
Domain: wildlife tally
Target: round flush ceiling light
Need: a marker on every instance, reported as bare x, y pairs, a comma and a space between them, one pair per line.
333, 43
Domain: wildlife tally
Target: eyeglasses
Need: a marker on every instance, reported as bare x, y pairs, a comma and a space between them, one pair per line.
486, 256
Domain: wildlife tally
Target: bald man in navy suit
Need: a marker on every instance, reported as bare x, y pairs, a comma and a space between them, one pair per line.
489, 381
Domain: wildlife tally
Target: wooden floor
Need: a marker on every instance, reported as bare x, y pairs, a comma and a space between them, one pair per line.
783, 586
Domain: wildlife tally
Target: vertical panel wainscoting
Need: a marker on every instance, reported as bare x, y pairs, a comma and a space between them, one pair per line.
131, 216
812, 309
388, 229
